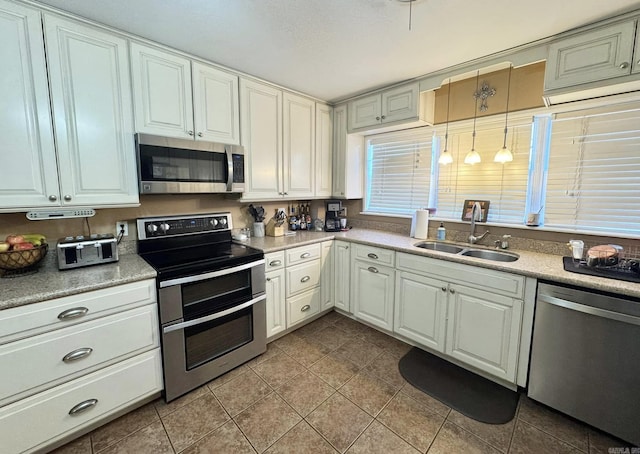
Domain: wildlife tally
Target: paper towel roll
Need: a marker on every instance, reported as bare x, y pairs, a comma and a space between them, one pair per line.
420, 224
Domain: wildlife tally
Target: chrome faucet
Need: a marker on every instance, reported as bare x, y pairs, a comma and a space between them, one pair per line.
475, 213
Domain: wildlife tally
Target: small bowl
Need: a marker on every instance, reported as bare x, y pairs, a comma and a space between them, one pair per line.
17, 260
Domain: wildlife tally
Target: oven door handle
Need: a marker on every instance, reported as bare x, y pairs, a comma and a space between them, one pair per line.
211, 275
208, 318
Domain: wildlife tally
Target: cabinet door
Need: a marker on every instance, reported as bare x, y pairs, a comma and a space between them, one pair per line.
373, 293
326, 275
162, 92
594, 55
483, 330
365, 112
421, 309
92, 110
215, 105
323, 150
25, 121
400, 103
339, 150
276, 321
299, 126
261, 131
342, 275
635, 67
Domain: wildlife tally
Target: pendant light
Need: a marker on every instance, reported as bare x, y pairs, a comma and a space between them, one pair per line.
473, 157
445, 157
504, 154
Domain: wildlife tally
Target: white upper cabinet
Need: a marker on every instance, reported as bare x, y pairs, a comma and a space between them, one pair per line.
162, 92
598, 54
299, 126
29, 172
348, 158
324, 148
261, 126
365, 112
177, 97
93, 119
215, 104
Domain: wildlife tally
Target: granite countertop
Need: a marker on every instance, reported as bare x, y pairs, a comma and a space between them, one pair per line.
49, 282
541, 266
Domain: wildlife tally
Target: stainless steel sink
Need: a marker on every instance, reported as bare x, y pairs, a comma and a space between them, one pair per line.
496, 256
440, 247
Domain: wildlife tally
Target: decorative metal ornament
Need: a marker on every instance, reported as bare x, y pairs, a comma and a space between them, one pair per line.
484, 92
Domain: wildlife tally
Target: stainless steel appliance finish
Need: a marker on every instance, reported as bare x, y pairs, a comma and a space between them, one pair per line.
211, 297
76, 252
176, 166
585, 358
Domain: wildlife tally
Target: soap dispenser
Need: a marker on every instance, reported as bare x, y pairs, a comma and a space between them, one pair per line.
442, 232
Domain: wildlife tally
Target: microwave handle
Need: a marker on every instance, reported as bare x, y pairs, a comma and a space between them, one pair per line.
229, 153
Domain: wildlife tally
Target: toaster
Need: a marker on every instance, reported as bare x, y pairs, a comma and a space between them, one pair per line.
78, 251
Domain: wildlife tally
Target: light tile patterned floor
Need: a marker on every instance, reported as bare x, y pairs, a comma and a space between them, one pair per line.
331, 386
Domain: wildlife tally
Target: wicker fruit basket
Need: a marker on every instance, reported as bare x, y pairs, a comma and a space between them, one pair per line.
16, 260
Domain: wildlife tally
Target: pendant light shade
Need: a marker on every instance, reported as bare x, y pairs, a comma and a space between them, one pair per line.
445, 157
473, 157
504, 154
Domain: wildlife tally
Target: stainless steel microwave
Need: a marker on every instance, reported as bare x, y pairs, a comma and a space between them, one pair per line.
178, 166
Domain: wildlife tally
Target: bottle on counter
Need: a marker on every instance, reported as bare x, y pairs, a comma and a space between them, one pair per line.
442, 232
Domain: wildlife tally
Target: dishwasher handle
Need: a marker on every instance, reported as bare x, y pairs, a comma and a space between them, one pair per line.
589, 309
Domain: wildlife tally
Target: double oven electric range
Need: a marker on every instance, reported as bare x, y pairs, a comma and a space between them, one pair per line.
211, 297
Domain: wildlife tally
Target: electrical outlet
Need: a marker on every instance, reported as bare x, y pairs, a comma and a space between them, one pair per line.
122, 225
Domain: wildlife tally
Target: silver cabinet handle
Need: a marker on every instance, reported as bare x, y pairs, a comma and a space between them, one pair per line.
371, 255
304, 278
73, 313
275, 263
53, 198
285, 193
344, 247
305, 255
77, 354
451, 290
67, 198
305, 308
383, 117
83, 406
373, 269
377, 118
444, 289
268, 279
190, 133
200, 134
624, 65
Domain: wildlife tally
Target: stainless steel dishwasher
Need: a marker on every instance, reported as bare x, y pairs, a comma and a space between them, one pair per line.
585, 358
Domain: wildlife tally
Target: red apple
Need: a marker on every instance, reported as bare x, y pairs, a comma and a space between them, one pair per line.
15, 239
22, 246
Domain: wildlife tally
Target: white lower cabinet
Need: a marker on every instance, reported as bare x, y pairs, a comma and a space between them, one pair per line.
276, 316
373, 286
327, 261
302, 306
342, 275
74, 361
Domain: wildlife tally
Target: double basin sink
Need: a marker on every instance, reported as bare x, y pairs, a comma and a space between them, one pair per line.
486, 254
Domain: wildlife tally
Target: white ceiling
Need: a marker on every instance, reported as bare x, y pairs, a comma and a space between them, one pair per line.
332, 49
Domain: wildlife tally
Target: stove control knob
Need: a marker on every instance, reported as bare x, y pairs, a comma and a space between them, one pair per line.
152, 228
214, 222
223, 222
164, 227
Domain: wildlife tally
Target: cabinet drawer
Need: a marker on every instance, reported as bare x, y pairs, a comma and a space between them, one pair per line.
39, 419
32, 319
274, 261
471, 276
303, 306
303, 277
303, 254
40, 362
374, 254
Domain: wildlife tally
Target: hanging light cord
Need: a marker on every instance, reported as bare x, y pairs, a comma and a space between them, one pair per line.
410, 7
475, 110
506, 115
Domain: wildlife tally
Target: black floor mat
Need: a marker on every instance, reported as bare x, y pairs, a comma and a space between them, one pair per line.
468, 393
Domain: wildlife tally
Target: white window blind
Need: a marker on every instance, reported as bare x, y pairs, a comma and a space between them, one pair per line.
398, 172
504, 185
593, 179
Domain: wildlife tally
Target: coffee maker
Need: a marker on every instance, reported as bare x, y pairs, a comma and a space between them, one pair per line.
334, 221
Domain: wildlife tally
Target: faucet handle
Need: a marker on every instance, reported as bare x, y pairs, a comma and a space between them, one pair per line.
497, 243
504, 244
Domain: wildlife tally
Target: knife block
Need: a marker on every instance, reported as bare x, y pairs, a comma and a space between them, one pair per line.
273, 229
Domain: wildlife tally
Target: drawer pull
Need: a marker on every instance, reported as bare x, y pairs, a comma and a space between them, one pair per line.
73, 313
305, 308
306, 255
451, 290
373, 256
275, 263
77, 354
444, 289
83, 406
304, 278
373, 269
